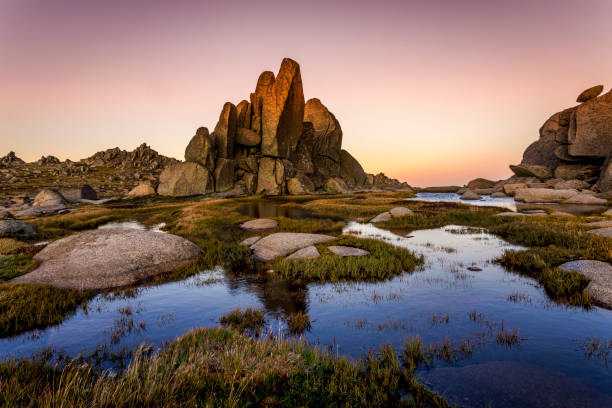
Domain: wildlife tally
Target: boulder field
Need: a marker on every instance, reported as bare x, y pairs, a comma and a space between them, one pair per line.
272, 143
574, 144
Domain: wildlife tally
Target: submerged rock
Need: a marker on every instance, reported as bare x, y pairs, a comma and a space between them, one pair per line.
109, 258
283, 243
600, 274
348, 251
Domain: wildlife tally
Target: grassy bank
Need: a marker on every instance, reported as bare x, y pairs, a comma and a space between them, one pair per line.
220, 367
383, 262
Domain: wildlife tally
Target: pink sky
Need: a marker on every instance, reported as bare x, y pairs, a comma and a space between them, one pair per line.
430, 92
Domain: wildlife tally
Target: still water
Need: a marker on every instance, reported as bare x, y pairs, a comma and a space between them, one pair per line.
444, 300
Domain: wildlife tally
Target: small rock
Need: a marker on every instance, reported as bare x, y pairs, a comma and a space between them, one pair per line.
590, 93
16, 227
510, 214
259, 224
400, 212
498, 194
474, 269
470, 195
480, 183
250, 241
382, 217
561, 214
305, 253
347, 251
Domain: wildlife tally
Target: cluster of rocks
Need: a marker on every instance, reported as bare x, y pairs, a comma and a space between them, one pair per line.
274, 143
574, 145
143, 158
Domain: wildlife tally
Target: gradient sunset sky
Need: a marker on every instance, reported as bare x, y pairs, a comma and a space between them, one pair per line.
431, 92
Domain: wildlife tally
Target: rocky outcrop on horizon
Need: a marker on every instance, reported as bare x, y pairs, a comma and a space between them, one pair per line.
143, 157
273, 143
574, 144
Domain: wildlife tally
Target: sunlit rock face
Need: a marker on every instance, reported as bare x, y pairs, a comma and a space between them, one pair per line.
574, 143
274, 143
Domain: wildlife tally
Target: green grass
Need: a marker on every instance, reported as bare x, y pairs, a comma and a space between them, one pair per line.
383, 262
12, 266
249, 321
26, 307
298, 322
220, 367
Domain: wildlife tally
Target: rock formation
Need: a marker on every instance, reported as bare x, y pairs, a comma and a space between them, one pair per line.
9, 160
574, 144
274, 143
143, 158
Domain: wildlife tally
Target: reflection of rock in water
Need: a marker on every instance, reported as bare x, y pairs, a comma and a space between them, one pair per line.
266, 209
275, 295
512, 384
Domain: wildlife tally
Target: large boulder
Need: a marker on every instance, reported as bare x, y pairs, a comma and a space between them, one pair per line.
264, 83
243, 114
201, 149
540, 153
49, 197
557, 126
283, 243
336, 185
480, 183
300, 184
247, 137
271, 176
327, 130
590, 133
605, 176
185, 179
577, 171
351, 170
600, 274
109, 258
283, 112
590, 93
76, 194
224, 174
225, 131
543, 195
523, 170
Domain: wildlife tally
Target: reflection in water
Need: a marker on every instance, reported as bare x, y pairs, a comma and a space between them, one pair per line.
444, 300
267, 209
509, 203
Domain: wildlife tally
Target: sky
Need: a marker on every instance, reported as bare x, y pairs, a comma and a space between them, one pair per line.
431, 92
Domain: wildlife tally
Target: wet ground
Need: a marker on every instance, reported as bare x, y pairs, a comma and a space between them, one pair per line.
509, 203
459, 296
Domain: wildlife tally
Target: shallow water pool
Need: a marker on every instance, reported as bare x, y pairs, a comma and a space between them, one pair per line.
547, 366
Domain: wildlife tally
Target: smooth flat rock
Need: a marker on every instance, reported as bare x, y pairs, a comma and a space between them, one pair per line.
511, 214
250, 241
600, 274
602, 232
309, 252
109, 258
348, 251
400, 212
259, 224
583, 198
16, 227
283, 243
543, 195
601, 224
561, 214
382, 217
